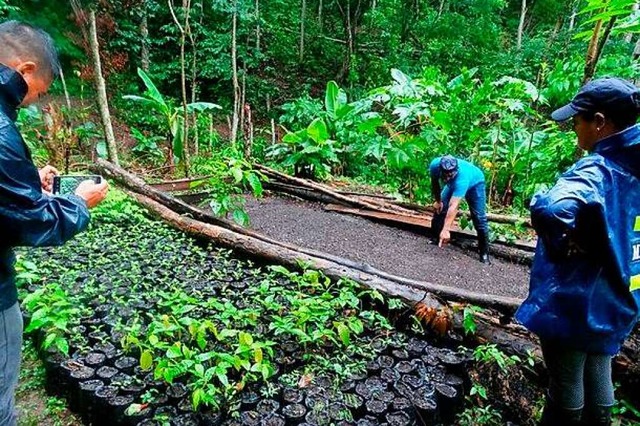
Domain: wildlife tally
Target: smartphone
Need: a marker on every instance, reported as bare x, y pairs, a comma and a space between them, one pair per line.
67, 184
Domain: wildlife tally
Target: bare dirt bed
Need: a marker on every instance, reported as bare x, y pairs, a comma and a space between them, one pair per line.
390, 249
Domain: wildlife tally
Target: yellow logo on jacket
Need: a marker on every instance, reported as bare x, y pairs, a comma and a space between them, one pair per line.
634, 283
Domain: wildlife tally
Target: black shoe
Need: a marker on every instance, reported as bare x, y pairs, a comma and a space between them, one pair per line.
484, 258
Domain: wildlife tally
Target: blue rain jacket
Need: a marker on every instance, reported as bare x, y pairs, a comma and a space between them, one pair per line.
28, 217
586, 273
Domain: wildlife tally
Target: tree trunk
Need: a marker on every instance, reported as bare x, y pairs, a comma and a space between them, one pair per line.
574, 13
273, 121
234, 68
441, 8
186, 9
144, 34
523, 14
101, 89
629, 36
592, 53
257, 9
303, 12
320, 6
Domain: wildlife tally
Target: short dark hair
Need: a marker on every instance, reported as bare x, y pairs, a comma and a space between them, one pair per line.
621, 119
27, 43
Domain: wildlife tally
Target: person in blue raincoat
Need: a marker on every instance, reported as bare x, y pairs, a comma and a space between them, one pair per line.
583, 297
462, 179
29, 215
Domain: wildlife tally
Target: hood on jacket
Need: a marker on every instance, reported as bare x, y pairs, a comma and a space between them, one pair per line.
623, 148
13, 89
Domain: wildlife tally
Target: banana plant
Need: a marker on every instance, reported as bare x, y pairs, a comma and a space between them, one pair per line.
173, 116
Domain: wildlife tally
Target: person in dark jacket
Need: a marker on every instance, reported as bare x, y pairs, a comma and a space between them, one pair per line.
583, 297
461, 179
29, 215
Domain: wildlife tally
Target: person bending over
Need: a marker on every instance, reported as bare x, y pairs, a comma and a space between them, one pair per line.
461, 179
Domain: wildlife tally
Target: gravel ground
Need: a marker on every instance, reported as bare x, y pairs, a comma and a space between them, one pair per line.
387, 248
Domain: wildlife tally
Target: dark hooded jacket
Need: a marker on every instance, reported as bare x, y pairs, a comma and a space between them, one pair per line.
586, 273
28, 217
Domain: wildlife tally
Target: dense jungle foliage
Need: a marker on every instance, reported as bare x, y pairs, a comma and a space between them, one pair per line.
370, 90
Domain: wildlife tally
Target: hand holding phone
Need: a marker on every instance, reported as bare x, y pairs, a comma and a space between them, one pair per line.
47, 175
92, 193
91, 188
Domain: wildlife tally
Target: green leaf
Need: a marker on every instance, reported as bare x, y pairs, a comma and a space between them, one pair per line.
49, 340
258, 356
344, 333
331, 100
146, 360
370, 125
400, 77
101, 149
255, 183
177, 130
317, 130
245, 339
237, 174
174, 351
153, 91
62, 345
202, 106
241, 217
197, 397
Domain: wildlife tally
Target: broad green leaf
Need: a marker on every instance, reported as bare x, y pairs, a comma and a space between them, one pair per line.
62, 345
331, 98
256, 185
174, 351
258, 356
153, 91
245, 339
344, 333
146, 360
201, 106
400, 77
317, 130
196, 397
49, 340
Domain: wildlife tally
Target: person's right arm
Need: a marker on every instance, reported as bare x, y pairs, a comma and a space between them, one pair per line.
27, 215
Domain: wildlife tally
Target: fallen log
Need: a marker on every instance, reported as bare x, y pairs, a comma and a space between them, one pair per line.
326, 190
178, 185
492, 217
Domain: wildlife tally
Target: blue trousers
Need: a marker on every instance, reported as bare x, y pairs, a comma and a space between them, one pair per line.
10, 351
477, 200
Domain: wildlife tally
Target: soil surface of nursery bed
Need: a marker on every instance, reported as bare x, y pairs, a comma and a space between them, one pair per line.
145, 326
387, 248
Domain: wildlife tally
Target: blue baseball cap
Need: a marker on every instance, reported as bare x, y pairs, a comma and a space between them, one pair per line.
609, 95
448, 163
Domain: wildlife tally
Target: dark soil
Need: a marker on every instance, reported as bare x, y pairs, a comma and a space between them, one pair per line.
396, 251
